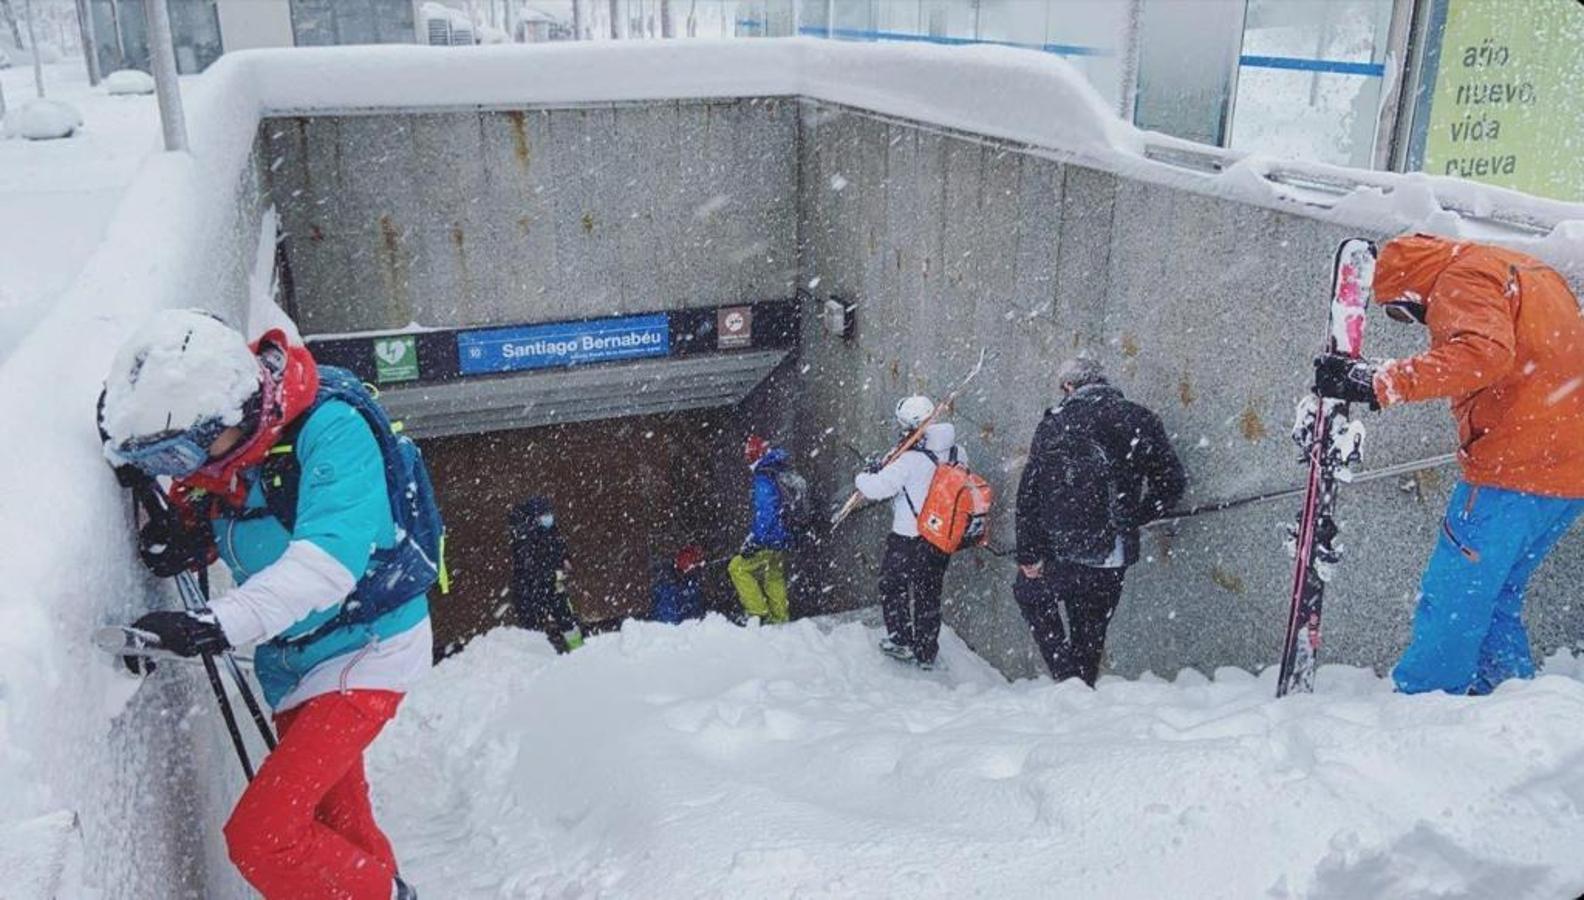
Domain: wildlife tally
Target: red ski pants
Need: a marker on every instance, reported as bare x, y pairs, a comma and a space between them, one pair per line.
304, 829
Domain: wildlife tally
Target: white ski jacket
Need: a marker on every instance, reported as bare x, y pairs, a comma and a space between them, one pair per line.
907, 479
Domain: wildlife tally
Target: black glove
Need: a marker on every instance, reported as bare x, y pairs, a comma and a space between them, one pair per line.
168, 549
1344, 378
873, 466
185, 633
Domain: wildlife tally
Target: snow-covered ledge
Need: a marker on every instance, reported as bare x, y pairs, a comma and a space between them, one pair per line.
1012, 95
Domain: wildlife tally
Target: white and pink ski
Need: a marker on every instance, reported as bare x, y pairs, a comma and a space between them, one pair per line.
1331, 442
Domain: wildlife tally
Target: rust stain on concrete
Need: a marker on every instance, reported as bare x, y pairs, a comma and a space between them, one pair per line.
1226, 581
519, 138
1250, 423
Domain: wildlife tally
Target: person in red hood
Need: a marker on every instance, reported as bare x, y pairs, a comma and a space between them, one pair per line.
1507, 350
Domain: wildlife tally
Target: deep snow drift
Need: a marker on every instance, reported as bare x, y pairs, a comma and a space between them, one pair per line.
712, 761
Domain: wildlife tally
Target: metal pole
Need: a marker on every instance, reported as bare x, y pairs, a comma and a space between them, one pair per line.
1230, 109
90, 41
1128, 101
162, 59
38, 67
1404, 58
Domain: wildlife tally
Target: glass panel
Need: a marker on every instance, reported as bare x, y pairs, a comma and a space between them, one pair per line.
1013, 21
1188, 53
1093, 36
394, 22
856, 17
195, 31
313, 23
899, 16
355, 22
1309, 86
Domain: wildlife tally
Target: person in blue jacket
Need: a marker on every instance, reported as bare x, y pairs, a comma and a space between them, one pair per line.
675, 596
758, 572
189, 400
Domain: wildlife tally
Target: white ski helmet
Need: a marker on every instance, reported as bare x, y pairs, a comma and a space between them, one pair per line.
912, 411
184, 370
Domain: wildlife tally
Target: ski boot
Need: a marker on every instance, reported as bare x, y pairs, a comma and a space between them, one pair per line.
1305, 417
1327, 550
896, 651
925, 665
1345, 446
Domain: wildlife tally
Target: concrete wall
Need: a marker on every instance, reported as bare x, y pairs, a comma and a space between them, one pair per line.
483, 217
1204, 309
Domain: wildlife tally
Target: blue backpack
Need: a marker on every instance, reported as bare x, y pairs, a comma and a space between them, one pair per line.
417, 561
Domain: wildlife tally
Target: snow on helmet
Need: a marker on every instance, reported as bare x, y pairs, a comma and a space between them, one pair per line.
175, 385
912, 411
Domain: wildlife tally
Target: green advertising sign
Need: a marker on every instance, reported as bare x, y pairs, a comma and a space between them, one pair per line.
396, 358
1507, 104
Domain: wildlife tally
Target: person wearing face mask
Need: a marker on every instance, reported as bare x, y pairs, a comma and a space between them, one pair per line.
289, 473
1507, 349
540, 570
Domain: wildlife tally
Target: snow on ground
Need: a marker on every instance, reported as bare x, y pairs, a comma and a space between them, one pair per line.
59, 195
712, 761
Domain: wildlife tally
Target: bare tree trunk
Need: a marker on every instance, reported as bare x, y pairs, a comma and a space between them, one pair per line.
7, 10
667, 29
615, 14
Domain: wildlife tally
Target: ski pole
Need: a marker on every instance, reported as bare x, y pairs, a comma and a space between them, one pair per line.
1405, 468
228, 714
195, 594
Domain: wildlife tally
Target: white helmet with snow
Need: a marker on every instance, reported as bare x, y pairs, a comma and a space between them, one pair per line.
912, 411
178, 381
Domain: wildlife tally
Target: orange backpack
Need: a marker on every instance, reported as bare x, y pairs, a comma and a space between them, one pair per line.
956, 511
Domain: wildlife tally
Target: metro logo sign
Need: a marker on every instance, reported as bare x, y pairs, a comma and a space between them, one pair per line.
734, 327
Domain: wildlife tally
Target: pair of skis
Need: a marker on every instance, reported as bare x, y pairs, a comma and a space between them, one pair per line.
911, 440
1331, 442
193, 589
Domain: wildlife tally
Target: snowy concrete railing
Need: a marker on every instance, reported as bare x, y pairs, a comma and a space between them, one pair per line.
998, 93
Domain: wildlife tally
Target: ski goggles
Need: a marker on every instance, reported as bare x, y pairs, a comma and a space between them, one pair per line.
1408, 312
175, 454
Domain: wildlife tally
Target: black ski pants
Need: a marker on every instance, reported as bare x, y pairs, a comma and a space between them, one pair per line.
1090, 595
911, 575
551, 614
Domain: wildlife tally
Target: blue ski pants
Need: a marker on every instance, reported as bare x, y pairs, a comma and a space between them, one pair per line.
1468, 631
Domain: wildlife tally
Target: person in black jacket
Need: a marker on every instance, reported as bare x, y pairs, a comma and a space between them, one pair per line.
539, 574
1100, 466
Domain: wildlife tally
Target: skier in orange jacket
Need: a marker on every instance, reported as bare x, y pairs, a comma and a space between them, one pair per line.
1507, 349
